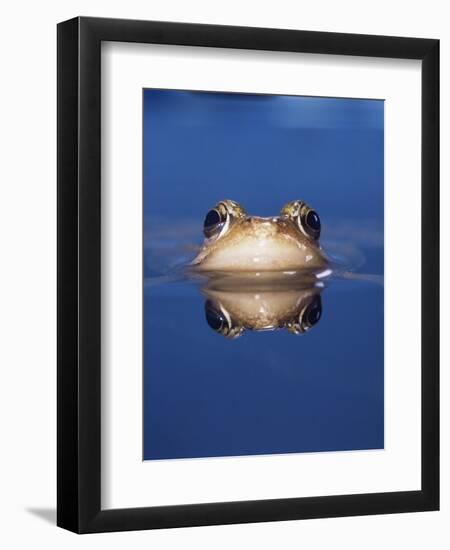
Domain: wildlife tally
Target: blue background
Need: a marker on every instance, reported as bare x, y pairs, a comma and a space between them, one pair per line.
265, 392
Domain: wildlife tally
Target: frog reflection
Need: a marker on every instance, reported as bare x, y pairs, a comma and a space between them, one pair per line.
237, 242
231, 312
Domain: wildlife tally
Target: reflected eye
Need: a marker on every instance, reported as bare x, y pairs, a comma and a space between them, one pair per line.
312, 313
219, 320
213, 223
308, 317
215, 319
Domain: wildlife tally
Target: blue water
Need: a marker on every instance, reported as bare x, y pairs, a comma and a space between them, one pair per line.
265, 392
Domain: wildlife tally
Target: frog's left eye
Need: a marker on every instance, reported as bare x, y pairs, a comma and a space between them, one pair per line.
213, 223
305, 217
311, 223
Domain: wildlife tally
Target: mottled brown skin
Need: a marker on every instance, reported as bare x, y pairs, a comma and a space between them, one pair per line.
252, 243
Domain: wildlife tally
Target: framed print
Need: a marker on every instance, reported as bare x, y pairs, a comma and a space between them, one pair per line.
248, 256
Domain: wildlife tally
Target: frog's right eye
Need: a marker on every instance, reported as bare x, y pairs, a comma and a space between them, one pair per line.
218, 219
213, 223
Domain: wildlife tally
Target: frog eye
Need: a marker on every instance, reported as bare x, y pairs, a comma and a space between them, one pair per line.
219, 320
219, 218
214, 222
308, 317
305, 217
311, 223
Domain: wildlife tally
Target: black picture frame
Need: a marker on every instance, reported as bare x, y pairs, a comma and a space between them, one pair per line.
79, 280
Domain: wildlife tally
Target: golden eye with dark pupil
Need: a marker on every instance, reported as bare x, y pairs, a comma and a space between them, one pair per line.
311, 223
213, 222
313, 220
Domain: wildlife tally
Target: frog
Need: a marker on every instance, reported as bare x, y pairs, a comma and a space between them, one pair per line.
237, 242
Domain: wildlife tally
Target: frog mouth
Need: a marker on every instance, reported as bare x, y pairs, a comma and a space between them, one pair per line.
263, 253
